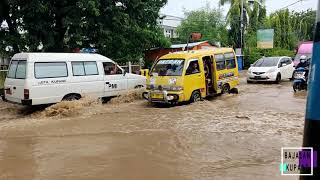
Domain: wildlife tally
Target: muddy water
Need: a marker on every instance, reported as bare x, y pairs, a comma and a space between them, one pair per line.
227, 137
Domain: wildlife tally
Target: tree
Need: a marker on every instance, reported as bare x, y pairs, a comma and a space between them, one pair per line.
285, 36
119, 29
234, 18
303, 24
10, 36
207, 21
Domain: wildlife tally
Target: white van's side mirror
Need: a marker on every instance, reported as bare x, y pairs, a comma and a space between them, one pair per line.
251, 65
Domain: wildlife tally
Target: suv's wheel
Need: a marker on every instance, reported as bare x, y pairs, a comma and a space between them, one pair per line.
195, 96
278, 79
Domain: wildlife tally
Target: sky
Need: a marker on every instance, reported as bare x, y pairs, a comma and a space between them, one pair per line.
177, 7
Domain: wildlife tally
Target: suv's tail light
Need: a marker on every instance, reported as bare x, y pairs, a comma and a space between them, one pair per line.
26, 93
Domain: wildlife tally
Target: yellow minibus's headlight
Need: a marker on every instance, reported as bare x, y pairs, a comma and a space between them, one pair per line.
176, 88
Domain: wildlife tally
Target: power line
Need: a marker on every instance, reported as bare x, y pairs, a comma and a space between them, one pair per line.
291, 4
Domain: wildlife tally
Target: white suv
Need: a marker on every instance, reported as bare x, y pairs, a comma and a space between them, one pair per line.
271, 69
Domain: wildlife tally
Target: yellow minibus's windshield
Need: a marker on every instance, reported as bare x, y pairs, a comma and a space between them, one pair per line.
168, 67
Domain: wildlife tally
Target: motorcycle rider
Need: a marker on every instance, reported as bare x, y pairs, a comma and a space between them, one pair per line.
303, 62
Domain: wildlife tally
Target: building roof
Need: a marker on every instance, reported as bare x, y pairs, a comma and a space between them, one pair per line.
176, 46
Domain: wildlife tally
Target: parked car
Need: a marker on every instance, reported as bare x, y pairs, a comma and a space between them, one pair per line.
46, 78
272, 69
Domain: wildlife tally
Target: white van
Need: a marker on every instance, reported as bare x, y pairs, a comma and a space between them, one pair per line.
45, 78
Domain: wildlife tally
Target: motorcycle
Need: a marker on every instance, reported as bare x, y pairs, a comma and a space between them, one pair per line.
300, 80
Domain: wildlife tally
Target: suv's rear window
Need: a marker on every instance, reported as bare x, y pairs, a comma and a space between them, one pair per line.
17, 69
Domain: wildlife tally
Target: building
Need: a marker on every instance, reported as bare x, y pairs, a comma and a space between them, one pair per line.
169, 25
155, 53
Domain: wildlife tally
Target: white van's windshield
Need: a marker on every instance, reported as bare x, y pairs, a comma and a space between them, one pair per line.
169, 67
17, 69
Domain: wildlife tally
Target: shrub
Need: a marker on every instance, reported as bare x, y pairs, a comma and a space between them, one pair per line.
253, 54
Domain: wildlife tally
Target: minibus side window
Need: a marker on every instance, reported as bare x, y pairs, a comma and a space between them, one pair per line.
220, 62
230, 60
50, 70
17, 70
111, 69
193, 68
84, 68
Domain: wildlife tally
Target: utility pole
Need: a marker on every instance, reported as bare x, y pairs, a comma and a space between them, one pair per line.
241, 27
311, 137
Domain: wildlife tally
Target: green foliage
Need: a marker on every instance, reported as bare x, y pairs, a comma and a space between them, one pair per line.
119, 29
253, 54
206, 21
2, 79
256, 16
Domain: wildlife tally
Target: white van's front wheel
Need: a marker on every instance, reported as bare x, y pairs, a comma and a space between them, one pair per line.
71, 97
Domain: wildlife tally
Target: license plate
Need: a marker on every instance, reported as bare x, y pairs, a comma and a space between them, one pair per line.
257, 77
157, 96
8, 91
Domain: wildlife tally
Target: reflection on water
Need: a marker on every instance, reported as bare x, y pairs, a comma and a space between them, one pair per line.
226, 137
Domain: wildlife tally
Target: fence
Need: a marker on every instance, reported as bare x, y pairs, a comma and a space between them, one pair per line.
131, 68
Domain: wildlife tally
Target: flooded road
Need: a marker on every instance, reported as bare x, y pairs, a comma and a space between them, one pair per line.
228, 137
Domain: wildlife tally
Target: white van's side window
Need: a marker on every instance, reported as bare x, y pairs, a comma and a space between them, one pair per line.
17, 70
78, 69
84, 68
111, 68
50, 70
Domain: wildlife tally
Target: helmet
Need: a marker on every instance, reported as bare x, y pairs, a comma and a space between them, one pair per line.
303, 58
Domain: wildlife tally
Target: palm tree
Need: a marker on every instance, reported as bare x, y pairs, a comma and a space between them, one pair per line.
253, 14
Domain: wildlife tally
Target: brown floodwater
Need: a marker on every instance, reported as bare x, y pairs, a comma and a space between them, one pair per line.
227, 137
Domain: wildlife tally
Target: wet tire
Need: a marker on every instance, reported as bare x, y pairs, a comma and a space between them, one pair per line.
71, 97
234, 91
278, 79
294, 87
195, 97
225, 89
